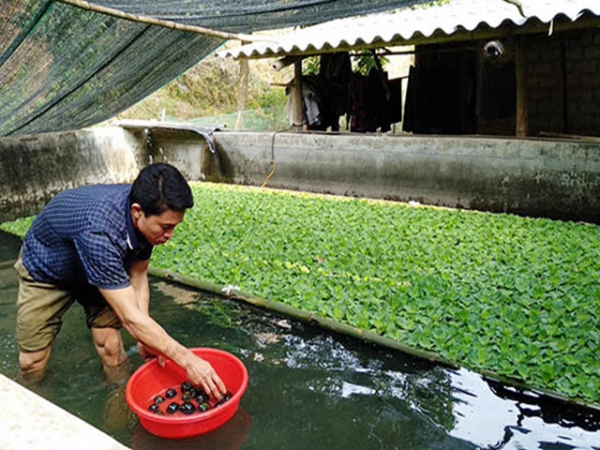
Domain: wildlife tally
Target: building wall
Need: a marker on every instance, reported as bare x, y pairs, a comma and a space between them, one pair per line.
563, 76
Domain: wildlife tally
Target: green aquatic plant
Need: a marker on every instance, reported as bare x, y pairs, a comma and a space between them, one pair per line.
17, 227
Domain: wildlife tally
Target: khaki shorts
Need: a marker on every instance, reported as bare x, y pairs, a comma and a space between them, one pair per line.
40, 308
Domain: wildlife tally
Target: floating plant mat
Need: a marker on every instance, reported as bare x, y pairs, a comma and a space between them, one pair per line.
309, 389
518, 297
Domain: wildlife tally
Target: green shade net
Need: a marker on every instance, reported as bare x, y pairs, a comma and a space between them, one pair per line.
63, 67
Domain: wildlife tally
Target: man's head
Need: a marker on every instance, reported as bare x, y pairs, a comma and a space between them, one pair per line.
159, 198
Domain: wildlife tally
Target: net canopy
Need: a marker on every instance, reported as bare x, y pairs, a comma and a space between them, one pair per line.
66, 64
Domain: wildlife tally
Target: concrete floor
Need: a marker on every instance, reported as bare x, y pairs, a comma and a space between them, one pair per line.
30, 422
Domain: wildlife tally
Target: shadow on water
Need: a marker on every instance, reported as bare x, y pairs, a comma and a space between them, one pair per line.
309, 389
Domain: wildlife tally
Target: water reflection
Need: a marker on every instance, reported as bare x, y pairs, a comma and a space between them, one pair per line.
531, 404
496, 416
230, 436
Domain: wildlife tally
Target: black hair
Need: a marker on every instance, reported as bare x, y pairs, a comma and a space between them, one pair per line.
159, 187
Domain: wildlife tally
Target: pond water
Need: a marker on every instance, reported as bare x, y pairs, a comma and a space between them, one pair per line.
309, 389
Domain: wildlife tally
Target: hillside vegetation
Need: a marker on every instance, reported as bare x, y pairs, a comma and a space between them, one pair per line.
207, 93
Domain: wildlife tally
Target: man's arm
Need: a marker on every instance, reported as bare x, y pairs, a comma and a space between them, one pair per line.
139, 281
133, 313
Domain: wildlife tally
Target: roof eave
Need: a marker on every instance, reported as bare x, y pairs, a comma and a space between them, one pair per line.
483, 32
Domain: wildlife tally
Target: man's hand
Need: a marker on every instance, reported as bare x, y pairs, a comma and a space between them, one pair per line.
201, 373
145, 352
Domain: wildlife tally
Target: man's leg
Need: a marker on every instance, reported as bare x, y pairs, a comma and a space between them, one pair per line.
105, 327
33, 365
116, 368
109, 345
40, 308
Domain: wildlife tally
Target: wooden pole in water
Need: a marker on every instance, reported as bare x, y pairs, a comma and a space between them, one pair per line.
332, 325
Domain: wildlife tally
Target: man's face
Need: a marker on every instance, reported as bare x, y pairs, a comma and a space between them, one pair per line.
156, 229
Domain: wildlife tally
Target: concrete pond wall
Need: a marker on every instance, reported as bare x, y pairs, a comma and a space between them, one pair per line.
535, 177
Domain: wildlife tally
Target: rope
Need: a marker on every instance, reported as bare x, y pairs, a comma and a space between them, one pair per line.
272, 172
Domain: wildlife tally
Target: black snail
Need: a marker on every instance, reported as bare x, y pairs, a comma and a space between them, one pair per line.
192, 399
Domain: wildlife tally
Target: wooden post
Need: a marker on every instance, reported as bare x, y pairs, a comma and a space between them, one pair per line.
299, 102
522, 113
242, 92
564, 92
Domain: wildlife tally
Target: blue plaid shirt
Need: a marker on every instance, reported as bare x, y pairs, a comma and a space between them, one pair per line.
85, 236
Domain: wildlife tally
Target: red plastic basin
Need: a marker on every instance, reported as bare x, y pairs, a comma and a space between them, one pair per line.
151, 380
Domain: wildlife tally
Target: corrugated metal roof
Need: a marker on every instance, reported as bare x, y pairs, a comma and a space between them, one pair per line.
406, 25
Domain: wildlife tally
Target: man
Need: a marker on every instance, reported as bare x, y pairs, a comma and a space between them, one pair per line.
92, 245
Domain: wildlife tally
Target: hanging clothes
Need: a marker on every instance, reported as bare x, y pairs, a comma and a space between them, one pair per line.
308, 112
311, 94
394, 104
335, 70
375, 102
433, 101
361, 118
497, 92
294, 109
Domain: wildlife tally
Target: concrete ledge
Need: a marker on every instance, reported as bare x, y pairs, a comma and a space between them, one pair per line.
37, 167
533, 177
550, 178
43, 425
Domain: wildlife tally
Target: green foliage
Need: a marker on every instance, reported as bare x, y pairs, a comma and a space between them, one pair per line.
516, 296
311, 65
270, 98
492, 292
362, 63
365, 61
18, 227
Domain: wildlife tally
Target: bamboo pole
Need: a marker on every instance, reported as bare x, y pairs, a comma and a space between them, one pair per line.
298, 314
246, 38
